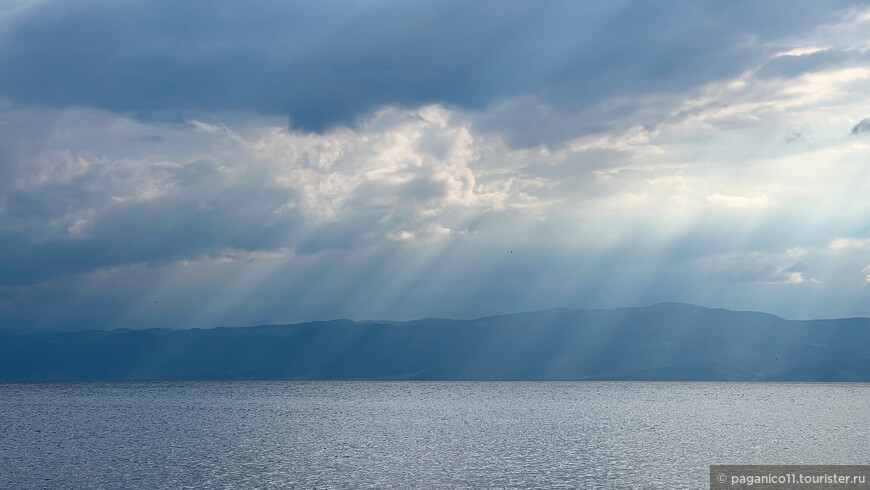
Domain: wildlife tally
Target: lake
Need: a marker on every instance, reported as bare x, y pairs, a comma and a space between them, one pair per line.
418, 434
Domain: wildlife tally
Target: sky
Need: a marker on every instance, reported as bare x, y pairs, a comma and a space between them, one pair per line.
205, 163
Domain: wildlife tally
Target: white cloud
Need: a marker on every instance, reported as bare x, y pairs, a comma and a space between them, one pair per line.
79, 227
793, 278
409, 174
401, 236
847, 243
231, 255
50, 167
206, 127
738, 201
750, 101
412, 168
801, 51
795, 252
756, 267
635, 139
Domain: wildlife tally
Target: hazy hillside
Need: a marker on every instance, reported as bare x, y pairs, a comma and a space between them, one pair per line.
661, 342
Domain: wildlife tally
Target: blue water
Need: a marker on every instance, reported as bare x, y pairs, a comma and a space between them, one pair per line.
418, 434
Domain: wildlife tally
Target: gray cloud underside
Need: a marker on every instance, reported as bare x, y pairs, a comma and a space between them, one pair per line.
325, 63
862, 127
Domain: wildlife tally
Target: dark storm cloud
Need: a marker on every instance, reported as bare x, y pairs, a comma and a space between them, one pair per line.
324, 63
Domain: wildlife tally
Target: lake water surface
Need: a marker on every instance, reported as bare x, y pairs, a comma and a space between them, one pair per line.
418, 434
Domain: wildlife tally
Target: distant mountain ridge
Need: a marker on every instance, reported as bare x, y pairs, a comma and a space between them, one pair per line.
668, 341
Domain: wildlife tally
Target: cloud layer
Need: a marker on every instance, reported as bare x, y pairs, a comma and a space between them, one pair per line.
198, 164
326, 63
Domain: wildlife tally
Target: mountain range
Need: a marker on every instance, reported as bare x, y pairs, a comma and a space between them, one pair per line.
669, 341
